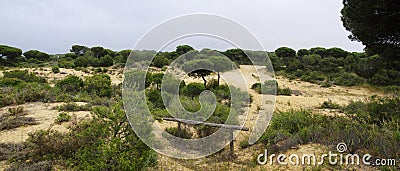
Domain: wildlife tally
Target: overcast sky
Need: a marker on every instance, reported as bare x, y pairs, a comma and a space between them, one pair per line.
54, 25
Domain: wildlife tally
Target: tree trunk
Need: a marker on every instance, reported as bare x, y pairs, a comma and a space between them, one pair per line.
218, 79
205, 81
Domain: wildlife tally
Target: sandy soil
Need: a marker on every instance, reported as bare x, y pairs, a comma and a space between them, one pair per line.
44, 114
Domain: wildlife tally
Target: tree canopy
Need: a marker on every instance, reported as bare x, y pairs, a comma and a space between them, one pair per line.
375, 23
182, 49
35, 54
78, 49
11, 53
285, 52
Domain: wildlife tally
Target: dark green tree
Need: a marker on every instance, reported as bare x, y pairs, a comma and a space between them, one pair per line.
78, 49
238, 56
182, 49
81, 62
157, 79
308, 60
285, 52
337, 52
98, 51
376, 24
160, 61
9, 53
122, 56
35, 54
221, 64
154, 96
328, 65
106, 61
194, 69
319, 51
303, 52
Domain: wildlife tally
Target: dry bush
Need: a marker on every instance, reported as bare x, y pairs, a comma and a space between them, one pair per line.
15, 118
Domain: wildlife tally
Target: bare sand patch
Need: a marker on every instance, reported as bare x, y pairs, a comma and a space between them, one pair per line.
44, 114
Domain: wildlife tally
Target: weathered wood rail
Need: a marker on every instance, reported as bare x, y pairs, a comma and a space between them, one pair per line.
192, 122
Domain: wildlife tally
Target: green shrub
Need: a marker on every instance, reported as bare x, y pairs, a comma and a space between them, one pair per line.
213, 84
85, 70
375, 110
99, 85
359, 131
271, 87
160, 61
154, 98
97, 70
256, 87
244, 143
11, 82
160, 113
346, 79
222, 92
15, 118
64, 97
329, 105
24, 75
55, 69
313, 77
394, 90
105, 70
70, 84
43, 166
81, 62
183, 133
15, 111
32, 92
106, 61
62, 117
71, 107
65, 64
284, 91
299, 73
106, 142
98, 101
193, 89
326, 84
268, 87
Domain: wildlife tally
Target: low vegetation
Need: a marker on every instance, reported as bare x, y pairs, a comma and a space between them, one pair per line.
271, 87
368, 124
62, 117
14, 118
95, 144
